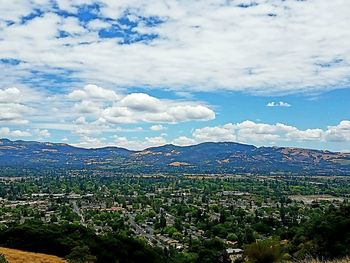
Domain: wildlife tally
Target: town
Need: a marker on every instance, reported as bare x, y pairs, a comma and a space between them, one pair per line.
174, 212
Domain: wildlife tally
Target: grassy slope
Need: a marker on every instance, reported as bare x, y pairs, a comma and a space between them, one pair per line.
346, 260
18, 256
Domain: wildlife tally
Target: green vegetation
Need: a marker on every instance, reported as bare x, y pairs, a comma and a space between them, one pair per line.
3, 259
266, 251
77, 243
166, 218
325, 235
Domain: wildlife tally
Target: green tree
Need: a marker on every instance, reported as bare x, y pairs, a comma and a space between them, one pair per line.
162, 221
81, 254
266, 251
3, 259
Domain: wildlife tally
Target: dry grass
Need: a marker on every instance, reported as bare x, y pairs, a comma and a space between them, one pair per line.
345, 260
18, 256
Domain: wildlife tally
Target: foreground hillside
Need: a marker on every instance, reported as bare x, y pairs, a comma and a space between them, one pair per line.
19, 256
226, 157
345, 260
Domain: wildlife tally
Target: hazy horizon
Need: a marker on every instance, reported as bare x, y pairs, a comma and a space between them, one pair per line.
111, 145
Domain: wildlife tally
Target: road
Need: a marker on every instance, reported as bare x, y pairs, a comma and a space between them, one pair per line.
146, 232
77, 211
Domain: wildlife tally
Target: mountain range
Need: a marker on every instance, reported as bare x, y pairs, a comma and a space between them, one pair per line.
210, 157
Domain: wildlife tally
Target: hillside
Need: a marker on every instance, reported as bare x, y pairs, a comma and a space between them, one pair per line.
19, 256
345, 260
223, 157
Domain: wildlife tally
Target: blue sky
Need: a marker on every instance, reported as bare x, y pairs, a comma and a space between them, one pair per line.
140, 73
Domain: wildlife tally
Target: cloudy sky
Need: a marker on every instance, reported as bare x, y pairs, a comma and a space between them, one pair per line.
142, 73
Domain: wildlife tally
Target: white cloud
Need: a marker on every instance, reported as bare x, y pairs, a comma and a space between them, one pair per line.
215, 134
306, 135
109, 108
339, 133
94, 110
278, 104
184, 141
6, 132
9, 95
16, 133
13, 113
93, 92
90, 142
97, 24
140, 144
14, 105
273, 47
88, 107
202, 45
42, 133
261, 133
244, 132
158, 127
163, 111
123, 142
71, 25
141, 102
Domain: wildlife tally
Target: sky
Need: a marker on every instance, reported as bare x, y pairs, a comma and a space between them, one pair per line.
141, 73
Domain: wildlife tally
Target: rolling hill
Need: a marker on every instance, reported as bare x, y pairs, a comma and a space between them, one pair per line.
222, 157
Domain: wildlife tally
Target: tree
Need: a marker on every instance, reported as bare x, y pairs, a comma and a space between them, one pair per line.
232, 237
162, 221
178, 224
266, 251
212, 251
3, 259
325, 235
81, 254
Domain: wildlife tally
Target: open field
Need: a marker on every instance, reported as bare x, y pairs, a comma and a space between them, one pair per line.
18, 256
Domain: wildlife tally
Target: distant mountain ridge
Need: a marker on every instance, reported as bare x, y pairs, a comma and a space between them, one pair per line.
209, 157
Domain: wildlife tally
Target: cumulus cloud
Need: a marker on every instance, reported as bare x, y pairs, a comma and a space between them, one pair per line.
278, 104
98, 24
163, 111
215, 134
109, 108
16, 133
121, 141
184, 141
14, 105
251, 132
90, 142
139, 144
13, 113
269, 47
141, 102
339, 133
245, 132
184, 46
42, 133
93, 92
9, 95
158, 127
7, 132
